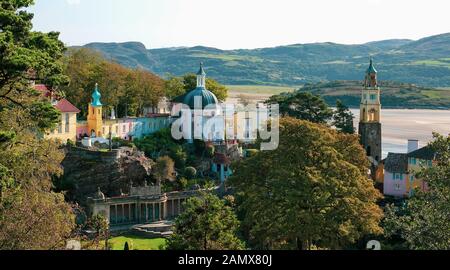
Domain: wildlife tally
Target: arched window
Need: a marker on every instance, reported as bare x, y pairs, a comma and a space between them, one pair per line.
372, 114
369, 151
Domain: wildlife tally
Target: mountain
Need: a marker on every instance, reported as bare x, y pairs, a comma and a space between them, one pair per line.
395, 95
423, 62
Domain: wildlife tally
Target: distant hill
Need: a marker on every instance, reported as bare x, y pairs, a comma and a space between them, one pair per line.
394, 95
423, 62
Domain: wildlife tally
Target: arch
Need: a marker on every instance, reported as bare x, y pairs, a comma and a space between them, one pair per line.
369, 151
372, 115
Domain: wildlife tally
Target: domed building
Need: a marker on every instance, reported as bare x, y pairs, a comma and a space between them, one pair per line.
204, 109
207, 97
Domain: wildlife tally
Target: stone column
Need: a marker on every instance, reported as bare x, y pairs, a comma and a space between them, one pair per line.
153, 208
115, 207
146, 212
160, 212
173, 208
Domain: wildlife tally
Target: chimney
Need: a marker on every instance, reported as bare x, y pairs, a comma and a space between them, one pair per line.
413, 145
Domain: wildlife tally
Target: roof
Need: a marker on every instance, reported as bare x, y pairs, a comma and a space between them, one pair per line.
396, 163
207, 97
371, 68
96, 97
425, 153
43, 89
65, 106
201, 71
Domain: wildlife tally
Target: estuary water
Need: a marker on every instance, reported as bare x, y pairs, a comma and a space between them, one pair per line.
399, 125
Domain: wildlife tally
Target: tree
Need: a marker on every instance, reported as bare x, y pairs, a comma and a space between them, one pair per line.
32, 216
424, 221
126, 90
206, 224
100, 225
164, 170
311, 192
305, 106
174, 87
190, 172
343, 118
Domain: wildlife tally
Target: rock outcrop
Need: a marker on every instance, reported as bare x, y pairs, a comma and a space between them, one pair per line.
113, 172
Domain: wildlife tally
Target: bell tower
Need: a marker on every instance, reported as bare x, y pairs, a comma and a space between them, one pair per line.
95, 121
370, 120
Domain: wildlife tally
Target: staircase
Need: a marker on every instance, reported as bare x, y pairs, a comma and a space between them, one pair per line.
161, 229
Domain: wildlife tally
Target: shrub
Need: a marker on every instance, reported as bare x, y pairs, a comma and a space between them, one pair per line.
190, 172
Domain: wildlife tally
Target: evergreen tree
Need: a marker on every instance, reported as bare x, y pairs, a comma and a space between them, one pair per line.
304, 106
311, 192
32, 216
126, 247
343, 118
206, 224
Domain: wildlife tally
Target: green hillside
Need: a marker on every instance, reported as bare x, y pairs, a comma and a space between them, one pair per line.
424, 62
394, 95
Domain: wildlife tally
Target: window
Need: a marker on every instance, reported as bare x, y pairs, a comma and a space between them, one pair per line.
124, 128
430, 163
411, 178
117, 129
60, 128
67, 126
413, 161
397, 186
373, 97
398, 176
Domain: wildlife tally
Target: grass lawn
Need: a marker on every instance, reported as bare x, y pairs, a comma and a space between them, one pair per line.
260, 89
118, 243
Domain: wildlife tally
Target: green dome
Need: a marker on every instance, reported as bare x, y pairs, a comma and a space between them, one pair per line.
96, 97
208, 98
371, 68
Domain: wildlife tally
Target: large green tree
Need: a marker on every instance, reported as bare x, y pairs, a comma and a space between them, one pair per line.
424, 220
311, 192
126, 90
303, 105
206, 223
32, 216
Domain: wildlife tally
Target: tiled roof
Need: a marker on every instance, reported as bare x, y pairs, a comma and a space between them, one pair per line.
425, 153
66, 107
396, 163
44, 89
40, 87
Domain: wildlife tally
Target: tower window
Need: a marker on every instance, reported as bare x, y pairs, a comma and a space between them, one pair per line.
373, 97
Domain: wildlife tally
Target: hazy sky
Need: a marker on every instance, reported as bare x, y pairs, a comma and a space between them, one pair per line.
231, 24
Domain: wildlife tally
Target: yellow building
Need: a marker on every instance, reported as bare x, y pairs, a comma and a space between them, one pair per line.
95, 120
67, 127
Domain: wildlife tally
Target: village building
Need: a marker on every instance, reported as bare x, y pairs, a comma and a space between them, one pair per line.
370, 120
399, 170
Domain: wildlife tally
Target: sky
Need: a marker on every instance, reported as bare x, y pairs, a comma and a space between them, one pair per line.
240, 24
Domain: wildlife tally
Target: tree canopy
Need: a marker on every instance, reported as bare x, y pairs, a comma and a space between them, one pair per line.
303, 105
206, 223
343, 118
311, 192
126, 90
32, 216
